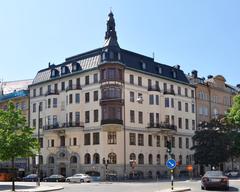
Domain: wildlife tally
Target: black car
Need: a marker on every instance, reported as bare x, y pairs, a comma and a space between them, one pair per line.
31, 177
54, 178
214, 179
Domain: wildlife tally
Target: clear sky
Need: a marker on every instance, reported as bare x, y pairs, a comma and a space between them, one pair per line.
196, 34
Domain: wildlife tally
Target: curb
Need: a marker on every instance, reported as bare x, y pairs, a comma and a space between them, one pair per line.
38, 189
176, 190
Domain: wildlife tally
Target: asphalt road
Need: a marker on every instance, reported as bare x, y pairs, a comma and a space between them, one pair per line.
125, 186
138, 186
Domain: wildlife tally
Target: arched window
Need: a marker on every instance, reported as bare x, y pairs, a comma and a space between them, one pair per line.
73, 159
51, 160
132, 156
112, 158
140, 158
150, 159
158, 159
87, 158
96, 158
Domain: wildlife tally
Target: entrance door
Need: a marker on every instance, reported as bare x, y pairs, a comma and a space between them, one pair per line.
63, 171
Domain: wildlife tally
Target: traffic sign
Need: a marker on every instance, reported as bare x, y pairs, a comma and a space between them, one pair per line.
171, 163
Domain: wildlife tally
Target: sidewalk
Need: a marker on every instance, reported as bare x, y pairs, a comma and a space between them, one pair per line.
177, 189
28, 187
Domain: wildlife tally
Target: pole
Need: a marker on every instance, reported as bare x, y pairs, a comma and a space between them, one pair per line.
171, 178
38, 156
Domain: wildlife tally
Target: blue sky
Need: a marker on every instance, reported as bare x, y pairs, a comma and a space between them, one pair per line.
201, 34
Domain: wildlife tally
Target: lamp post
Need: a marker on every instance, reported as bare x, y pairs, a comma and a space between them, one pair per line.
105, 162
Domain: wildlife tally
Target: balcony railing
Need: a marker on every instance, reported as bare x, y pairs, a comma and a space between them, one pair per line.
169, 92
111, 121
154, 88
64, 125
162, 126
105, 100
52, 92
73, 87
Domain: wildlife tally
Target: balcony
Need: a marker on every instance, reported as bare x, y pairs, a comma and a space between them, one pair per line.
154, 88
108, 100
162, 127
73, 87
52, 92
112, 124
169, 92
64, 125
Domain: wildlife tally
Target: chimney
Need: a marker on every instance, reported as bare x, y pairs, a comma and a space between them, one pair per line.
209, 76
194, 74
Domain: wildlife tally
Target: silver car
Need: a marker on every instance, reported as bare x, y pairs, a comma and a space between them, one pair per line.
79, 178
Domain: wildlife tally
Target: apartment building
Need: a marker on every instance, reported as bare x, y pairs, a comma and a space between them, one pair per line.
99, 110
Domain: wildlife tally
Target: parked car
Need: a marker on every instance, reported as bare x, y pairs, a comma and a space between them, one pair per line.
54, 178
31, 177
231, 173
79, 178
95, 176
214, 179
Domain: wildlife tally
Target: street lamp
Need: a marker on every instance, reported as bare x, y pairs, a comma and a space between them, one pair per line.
105, 162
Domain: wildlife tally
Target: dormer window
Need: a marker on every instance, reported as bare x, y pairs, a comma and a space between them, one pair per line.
143, 65
119, 56
54, 73
174, 74
111, 55
64, 70
75, 66
160, 70
103, 56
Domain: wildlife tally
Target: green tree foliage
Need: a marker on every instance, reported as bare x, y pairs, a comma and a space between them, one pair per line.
233, 116
16, 137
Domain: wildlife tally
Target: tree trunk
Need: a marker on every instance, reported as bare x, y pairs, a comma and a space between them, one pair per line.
13, 177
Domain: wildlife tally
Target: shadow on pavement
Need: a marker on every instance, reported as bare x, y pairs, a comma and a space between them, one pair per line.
230, 189
9, 187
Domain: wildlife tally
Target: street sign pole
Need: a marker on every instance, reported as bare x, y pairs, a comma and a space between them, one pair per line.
171, 164
171, 178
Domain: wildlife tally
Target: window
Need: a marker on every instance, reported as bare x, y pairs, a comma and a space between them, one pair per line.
165, 141
49, 88
51, 160
164, 86
73, 159
151, 99
95, 78
70, 84
95, 115
173, 142
179, 106
112, 137
77, 98
63, 86
180, 142
132, 116
54, 102
158, 144
151, 119
40, 91
87, 158
96, 158
157, 118
140, 117
77, 117
87, 139
70, 118
179, 91
41, 142
34, 92
140, 81
34, 107
166, 102
186, 123
34, 123
180, 123
149, 140
157, 99
40, 123
96, 138
186, 92
132, 138
192, 93
87, 97
70, 99
78, 85
55, 87
131, 79
87, 80
158, 159
140, 158
167, 119
87, 116
149, 83
95, 95
55, 123
193, 108
140, 140
40, 106
193, 124
186, 107
52, 142
112, 158
150, 159
49, 103
172, 102
62, 141
74, 141
187, 143
131, 96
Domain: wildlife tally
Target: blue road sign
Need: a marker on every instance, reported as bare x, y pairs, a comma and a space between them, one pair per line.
171, 163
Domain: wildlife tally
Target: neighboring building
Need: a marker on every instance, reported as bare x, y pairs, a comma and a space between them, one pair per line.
21, 100
213, 96
115, 104
7, 87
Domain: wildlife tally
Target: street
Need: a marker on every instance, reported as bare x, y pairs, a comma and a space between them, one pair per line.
121, 186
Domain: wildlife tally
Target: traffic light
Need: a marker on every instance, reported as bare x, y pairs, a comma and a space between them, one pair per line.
169, 147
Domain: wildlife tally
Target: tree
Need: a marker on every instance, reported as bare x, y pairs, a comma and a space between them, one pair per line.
233, 115
16, 137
